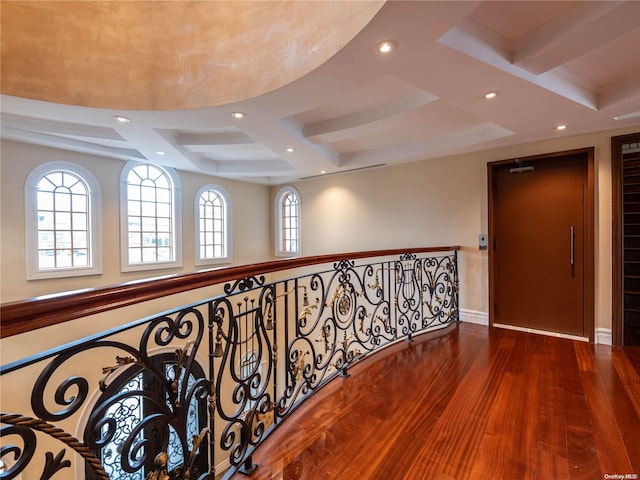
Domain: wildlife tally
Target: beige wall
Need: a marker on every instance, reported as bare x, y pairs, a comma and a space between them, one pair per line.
443, 202
250, 221
428, 203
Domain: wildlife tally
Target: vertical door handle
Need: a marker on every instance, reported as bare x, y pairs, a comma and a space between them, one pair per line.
573, 245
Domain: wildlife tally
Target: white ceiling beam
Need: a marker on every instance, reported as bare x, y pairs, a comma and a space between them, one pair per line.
56, 127
627, 91
261, 169
350, 126
556, 81
579, 30
427, 148
208, 139
307, 156
62, 142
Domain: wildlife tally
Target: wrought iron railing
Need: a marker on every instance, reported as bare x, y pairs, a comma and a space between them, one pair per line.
192, 391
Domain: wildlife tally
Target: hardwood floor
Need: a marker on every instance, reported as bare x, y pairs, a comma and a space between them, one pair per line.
476, 403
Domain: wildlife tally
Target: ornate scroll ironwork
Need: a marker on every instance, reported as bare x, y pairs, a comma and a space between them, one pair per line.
246, 369
25, 427
154, 414
163, 398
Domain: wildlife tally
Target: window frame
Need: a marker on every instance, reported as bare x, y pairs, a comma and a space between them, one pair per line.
94, 267
280, 226
227, 236
176, 217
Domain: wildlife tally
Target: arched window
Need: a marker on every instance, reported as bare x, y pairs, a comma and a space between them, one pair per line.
149, 202
289, 222
62, 219
213, 244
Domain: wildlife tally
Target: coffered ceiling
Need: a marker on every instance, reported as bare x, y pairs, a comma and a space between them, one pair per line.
550, 63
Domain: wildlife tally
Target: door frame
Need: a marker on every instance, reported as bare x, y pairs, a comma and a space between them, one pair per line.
617, 251
589, 228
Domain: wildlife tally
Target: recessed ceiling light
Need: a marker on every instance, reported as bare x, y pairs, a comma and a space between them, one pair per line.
323, 171
121, 119
291, 149
237, 114
490, 95
386, 47
160, 152
561, 127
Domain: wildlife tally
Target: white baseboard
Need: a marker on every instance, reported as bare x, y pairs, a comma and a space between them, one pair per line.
222, 467
603, 336
474, 316
541, 332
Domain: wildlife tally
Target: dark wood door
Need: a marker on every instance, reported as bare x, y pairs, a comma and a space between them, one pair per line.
539, 244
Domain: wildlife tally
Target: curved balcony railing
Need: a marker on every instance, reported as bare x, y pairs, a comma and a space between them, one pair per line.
191, 392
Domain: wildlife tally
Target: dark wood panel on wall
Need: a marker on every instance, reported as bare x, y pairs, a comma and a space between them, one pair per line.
631, 245
625, 188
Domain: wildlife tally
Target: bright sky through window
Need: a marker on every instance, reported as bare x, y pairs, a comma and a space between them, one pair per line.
63, 221
149, 215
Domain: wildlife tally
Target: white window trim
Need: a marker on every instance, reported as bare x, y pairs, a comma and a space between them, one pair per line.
228, 258
279, 227
176, 193
31, 223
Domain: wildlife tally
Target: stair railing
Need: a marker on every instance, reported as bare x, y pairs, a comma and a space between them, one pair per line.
190, 393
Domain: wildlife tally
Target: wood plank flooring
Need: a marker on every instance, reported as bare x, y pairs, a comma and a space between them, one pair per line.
475, 403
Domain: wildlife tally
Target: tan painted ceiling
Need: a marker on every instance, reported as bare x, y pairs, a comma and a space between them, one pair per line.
552, 62
168, 55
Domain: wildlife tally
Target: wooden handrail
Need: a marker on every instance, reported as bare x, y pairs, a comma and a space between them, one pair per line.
33, 313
